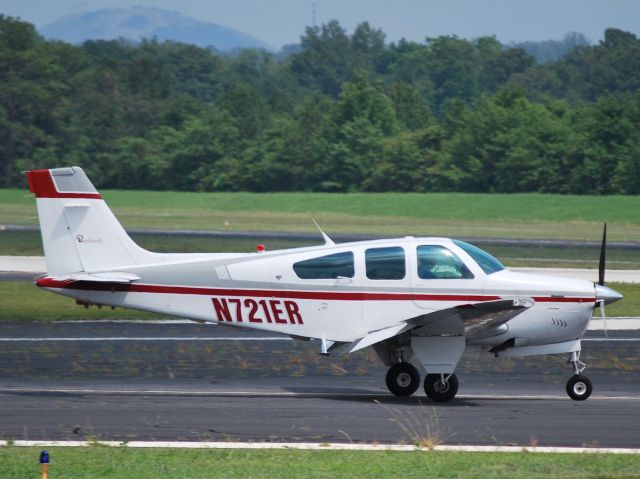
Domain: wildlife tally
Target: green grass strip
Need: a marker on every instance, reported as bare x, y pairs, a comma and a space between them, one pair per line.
449, 214
524, 206
24, 301
127, 463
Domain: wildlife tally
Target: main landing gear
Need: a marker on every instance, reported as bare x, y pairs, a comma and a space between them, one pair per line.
579, 386
441, 387
403, 379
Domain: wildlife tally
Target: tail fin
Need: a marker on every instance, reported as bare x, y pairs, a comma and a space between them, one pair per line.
79, 231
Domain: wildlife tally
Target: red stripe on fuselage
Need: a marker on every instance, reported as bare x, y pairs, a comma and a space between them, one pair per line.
262, 293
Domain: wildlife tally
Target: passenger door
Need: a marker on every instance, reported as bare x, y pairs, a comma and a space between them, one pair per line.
387, 286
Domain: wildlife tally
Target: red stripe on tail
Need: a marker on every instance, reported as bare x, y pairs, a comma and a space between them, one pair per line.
41, 184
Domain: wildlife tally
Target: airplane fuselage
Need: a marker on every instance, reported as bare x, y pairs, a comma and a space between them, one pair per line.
262, 291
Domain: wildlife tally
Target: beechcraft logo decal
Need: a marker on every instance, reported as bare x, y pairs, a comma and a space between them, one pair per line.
83, 239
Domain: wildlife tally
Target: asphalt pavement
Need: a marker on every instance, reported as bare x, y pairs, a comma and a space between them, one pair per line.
183, 381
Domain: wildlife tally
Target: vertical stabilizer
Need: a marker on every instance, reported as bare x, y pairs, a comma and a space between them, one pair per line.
79, 231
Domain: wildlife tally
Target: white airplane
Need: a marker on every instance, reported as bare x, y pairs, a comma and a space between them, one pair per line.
414, 300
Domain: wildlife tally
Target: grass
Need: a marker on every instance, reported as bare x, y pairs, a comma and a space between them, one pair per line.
450, 214
127, 463
24, 301
30, 244
562, 257
630, 305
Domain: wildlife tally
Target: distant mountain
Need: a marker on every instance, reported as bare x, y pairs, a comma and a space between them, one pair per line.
137, 23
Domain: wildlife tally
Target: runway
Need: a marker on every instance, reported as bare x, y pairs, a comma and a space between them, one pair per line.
340, 416
230, 387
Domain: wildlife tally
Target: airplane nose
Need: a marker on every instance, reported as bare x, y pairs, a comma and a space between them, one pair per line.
607, 295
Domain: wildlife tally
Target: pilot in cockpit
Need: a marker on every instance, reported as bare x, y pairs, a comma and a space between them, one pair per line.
427, 265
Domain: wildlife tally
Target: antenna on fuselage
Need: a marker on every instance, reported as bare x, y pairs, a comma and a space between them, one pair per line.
327, 241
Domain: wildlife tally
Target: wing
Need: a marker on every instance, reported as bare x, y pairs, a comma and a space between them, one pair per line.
472, 320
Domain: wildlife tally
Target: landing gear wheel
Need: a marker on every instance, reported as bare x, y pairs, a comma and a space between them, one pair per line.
439, 388
403, 379
579, 387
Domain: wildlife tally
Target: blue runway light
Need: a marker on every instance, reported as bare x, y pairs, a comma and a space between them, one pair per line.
44, 465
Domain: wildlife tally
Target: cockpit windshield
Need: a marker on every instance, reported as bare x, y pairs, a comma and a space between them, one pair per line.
488, 263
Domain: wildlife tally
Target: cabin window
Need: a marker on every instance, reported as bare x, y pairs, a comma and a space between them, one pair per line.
437, 262
385, 263
338, 265
488, 263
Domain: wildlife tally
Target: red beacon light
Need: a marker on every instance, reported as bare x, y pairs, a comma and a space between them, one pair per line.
260, 248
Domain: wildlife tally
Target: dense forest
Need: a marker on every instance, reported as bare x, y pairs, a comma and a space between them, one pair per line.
340, 112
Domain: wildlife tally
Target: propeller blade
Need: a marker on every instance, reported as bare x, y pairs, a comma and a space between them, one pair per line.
604, 320
603, 254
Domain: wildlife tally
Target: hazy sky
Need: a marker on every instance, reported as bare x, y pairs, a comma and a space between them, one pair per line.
278, 22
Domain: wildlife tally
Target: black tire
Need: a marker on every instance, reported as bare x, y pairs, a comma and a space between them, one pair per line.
437, 391
579, 387
403, 379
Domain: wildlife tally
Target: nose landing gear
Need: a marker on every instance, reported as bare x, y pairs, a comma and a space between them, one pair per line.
579, 386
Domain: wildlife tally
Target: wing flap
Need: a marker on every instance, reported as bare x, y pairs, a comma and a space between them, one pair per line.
374, 337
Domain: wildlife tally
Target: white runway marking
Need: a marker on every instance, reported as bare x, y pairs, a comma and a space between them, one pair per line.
141, 321
148, 338
613, 275
321, 446
618, 324
611, 339
287, 394
207, 338
596, 324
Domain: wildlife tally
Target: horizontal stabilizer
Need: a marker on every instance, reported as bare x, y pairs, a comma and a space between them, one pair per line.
108, 277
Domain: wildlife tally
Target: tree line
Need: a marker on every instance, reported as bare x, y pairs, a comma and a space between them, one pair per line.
341, 112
